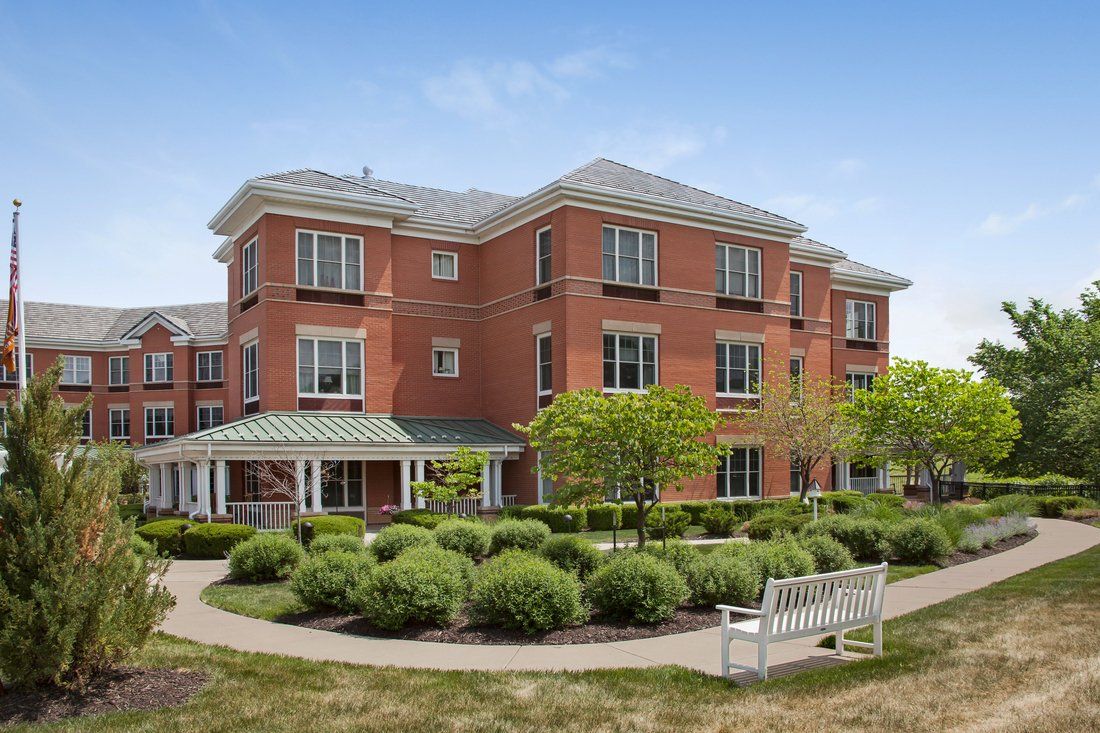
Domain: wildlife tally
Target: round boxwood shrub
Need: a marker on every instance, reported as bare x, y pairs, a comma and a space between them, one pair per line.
719, 521
865, 538
695, 509
456, 563
605, 516
829, 555
265, 556
518, 590
518, 534
777, 559
766, 526
333, 524
469, 538
396, 538
142, 548
894, 501
844, 501
421, 585
336, 543
678, 553
164, 534
572, 554
918, 540
722, 578
327, 579
637, 587
420, 518
554, 517
673, 522
215, 540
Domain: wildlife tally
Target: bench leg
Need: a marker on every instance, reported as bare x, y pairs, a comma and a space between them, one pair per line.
762, 660
877, 636
725, 652
839, 643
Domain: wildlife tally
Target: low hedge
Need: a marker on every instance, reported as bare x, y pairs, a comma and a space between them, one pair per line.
677, 553
1053, 507
605, 516
695, 509
776, 559
518, 534
264, 556
718, 578
471, 539
894, 501
918, 540
519, 590
333, 524
672, 522
164, 534
637, 587
215, 540
337, 543
829, 555
554, 517
768, 525
424, 584
328, 579
396, 538
573, 555
865, 538
719, 521
843, 501
420, 518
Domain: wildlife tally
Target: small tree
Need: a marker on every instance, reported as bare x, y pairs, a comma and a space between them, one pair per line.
133, 476
804, 418
638, 444
929, 417
75, 599
280, 475
457, 476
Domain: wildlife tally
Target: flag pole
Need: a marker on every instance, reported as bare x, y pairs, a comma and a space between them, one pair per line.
21, 361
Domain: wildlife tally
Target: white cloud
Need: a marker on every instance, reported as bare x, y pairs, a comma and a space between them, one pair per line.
492, 94
590, 62
801, 206
848, 168
998, 224
654, 147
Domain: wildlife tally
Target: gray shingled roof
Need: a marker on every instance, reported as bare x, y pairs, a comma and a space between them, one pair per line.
319, 179
853, 266
98, 323
814, 243
461, 207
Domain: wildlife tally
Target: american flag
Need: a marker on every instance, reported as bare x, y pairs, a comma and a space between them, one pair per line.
11, 334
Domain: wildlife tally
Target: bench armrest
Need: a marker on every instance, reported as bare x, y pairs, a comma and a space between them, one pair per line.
738, 609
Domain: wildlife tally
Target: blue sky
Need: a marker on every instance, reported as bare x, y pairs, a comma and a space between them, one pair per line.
953, 143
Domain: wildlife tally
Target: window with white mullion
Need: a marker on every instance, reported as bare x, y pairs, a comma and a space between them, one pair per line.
209, 366
858, 381
119, 420
544, 349
629, 361
77, 370
737, 270
160, 422
444, 362
12, 376
859, 319
342, 485
329, 260
249, 267
737, 369
118, 370
738, 474
542, 256
796, 294
629, 256
444, 265
209, 416
158, 367
330, 367
250, 371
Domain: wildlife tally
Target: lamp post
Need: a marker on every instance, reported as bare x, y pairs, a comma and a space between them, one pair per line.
568, 523
814, 492
614, 532
664, 532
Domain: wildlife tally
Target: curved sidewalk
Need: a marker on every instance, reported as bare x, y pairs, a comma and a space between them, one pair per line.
699, 650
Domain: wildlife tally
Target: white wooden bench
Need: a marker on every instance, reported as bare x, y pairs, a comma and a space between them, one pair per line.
807, 606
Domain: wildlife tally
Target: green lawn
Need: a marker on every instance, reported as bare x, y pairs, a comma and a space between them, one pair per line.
258, 600
1019, 655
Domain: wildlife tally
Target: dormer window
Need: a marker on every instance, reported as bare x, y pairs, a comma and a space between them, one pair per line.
329, 260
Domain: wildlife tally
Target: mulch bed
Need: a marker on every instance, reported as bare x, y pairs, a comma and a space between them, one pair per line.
121, 689
958, 558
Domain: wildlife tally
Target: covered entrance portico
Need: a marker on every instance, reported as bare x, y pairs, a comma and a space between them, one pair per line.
324, 462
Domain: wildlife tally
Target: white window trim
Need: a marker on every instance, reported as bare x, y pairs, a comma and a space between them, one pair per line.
151, 358
343, 262
801, 304
256, 366
198, 367
759, 370
454, 260
198, 415
343, 369
28, 365
145, 423
253, 246
538, 257
656, 360
91, 418
343, 506
759, 271
454, 351
538, 364
849, 382
849, 319
760, 487
656, 256
111, 370
111, 423
76, 359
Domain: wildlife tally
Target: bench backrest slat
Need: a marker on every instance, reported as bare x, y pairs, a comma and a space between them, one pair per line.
819, 601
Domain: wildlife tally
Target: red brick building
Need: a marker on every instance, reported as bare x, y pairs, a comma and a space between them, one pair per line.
358, 308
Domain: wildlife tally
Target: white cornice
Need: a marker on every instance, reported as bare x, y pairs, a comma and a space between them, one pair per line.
868, 282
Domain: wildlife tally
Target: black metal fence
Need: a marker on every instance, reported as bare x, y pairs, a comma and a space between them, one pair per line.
955, 490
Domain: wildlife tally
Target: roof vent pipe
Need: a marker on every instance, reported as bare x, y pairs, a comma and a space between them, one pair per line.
368, 172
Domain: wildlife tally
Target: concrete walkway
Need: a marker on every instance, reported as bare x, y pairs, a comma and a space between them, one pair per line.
699, 650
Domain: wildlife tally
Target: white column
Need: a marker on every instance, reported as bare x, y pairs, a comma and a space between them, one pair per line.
315, 485
486, 485
154, 485
497, 466
219, 486
419, 477
185, 483
165, 485
406, 489
204, 488
300, 484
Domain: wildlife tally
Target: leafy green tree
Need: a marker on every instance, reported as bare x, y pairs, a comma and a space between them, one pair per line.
1079, 417
75, 599
457, 476
930, 417
1055, 365
641, 445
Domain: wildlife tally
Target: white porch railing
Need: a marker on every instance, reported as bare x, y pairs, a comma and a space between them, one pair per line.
263, 515
508, 500
866, 485
465, 505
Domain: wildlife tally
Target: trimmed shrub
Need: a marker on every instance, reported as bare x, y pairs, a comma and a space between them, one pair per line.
518, 534
1053, 507
468, 538
778, 559
333, 524
770, 506
638, 587
678, 553
164, 534
673, 522
215, 540
894, 501
264, 556
629, 515
918, 541
336, 543
573, 555
421, 585
718, 578
716, 520
396, 538
605, 516
829, 555
695, 509
842, 502
422, 518
141, 548
865, 538
518, 590
554, 517
512, 512
327, 579
766, 526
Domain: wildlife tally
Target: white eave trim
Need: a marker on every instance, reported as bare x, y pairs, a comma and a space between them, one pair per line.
889, 283
806, 254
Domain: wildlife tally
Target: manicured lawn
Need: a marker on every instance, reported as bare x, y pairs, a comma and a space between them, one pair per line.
631, 534
258, 600
1019, 655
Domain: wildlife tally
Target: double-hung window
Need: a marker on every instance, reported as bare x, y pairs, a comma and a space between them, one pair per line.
250, 269
342, 485
158, 367
119, 420
77, 370
859, 319
329, 260
12, 376
444, 265
444, 362
544, 355
118, 370
629, 361
796, 294
737, 271
629, 256
542, 256
796, 376
209, 416
209, 366
739, 474
857, 381
330, 367
86, 426
737, 369
160, 422
250, 371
